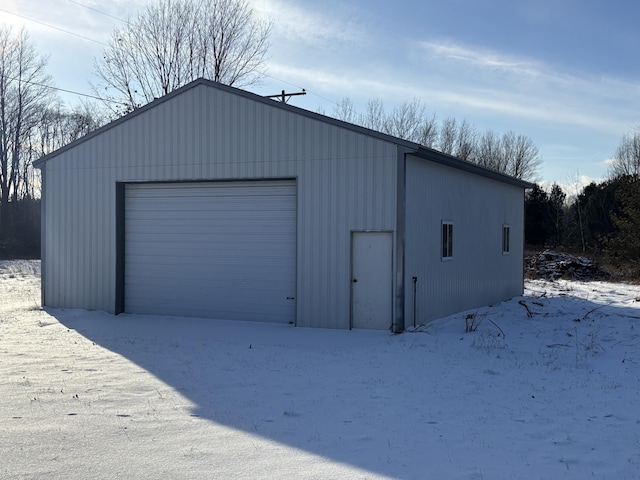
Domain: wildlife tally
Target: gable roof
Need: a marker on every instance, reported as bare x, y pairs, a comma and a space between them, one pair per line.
410, 147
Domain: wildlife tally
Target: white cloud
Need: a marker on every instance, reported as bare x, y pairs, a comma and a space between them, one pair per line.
572, 186
482, 58
543, 105
526, 88
311, 27
458, 77
63, 23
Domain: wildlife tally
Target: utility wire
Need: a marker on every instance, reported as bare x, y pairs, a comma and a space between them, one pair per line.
263, 73
99, 11
44, 85
333, 102
102, 43
54, 27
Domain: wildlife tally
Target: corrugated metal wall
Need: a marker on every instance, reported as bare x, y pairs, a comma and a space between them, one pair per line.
346, 181
478, 274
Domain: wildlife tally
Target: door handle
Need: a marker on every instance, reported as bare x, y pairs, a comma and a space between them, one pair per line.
355, 280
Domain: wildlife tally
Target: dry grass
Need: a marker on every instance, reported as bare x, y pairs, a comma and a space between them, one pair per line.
19, 268
627, 271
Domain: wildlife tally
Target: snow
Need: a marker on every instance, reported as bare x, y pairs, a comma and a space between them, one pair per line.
552, 395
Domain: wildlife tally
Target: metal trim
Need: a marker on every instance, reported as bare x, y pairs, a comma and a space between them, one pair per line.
120, 247
398, 324
43, 237
420, 151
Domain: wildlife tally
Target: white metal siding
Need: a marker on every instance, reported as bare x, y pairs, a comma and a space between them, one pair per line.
478, 274
217, 250
346, 182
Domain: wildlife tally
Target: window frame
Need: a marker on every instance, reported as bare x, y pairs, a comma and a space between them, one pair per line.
506, 239
446, 240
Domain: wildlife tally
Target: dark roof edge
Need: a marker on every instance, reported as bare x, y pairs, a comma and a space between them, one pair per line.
408, 147
234, 91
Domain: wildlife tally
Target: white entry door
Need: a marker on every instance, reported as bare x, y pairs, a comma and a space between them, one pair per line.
371, 280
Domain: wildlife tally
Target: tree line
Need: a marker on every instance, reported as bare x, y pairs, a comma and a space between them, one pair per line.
33, 122
172, 42
166, 45
602, 218
509, 153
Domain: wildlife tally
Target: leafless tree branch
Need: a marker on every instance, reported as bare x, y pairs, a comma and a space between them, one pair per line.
172, 42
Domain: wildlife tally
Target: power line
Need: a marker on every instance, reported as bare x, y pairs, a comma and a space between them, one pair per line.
106, 45
99, 11
298, 86
265, 74
54, 27
44, 85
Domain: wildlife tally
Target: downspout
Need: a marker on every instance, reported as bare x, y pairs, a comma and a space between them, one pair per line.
415, 288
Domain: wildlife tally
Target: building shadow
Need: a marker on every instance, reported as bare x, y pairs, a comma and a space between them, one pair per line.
296, 386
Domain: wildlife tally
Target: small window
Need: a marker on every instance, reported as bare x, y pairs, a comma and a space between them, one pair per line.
505, 239
447, 240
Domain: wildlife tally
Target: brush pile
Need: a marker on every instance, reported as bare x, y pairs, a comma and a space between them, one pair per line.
552, 265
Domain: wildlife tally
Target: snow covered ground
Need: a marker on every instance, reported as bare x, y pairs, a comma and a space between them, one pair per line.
552, 395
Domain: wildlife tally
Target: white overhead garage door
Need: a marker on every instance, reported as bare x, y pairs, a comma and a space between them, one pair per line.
217, 250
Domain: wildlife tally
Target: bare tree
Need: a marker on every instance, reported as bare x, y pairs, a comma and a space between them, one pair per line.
59, 126
345, 111
575, 183
515, 155
375, 116
428, 131
406, 120
466, 141
521, 156
488, 152
627, 157
448, 133
172, 42
24, 94
512, 154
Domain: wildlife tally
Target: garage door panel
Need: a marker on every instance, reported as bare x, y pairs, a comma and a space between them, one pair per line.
204, 296
200, 279
223, 250
154, 254
204, 228
192, 210
225, 238
195, 310
194, 269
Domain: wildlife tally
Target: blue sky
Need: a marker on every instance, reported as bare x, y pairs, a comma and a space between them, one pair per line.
563, 72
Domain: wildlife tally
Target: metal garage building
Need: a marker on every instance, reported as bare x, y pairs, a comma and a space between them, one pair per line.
215, 202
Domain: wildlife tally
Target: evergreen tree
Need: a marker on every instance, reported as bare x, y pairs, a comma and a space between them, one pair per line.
627, 242
537, 215
556, 208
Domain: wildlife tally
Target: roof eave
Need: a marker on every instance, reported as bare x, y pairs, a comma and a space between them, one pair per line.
409, 147
45, 158
444, 159
233, 90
